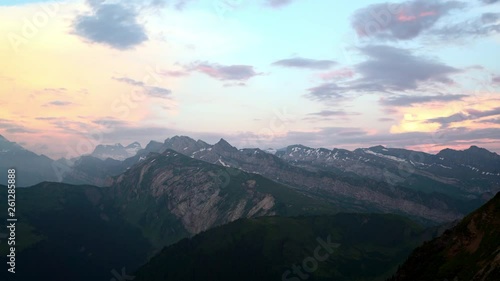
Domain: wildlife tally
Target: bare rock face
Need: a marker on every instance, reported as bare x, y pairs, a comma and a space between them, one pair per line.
193, 192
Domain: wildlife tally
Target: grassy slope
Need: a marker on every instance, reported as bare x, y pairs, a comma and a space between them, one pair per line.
264, 248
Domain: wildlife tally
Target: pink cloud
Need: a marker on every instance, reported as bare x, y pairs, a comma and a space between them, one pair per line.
343, 73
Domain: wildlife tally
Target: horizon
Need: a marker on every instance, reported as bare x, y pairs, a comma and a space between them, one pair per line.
410, 74
143, 146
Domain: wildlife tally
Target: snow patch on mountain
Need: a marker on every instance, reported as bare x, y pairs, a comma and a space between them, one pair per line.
385, 156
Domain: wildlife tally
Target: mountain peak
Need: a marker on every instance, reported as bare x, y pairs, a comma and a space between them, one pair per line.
377, 147
115, 151
133, 145
179, 138
477, 149
224, 145
223, 142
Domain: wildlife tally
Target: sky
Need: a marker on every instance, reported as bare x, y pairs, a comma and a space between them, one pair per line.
420, 74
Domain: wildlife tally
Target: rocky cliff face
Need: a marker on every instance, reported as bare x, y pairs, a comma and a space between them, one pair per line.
191, 196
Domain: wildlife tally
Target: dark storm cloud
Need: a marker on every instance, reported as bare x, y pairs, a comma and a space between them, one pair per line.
305, 63
224, 72
402, 21
111, 24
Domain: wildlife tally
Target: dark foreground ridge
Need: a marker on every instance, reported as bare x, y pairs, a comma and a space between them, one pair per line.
469, 251
338, 247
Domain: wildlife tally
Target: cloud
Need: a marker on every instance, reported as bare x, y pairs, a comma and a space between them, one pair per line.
143, 134
485, 113
278, 3
152, 91
491, 121
55, 90
487, 24
325, 91
337, 74
490, 17
58, 103
385, 119
356, 137
470, 114
496, 80
489, 1
224, 72
69, 126
386, 70
46, 118
305, 63
446, 121
399, 70
410, 100
13, 128
173, 73
404, 21
111, 24
329, 113
109, 122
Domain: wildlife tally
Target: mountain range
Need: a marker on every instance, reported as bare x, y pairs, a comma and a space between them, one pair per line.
430, 188
210, 202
